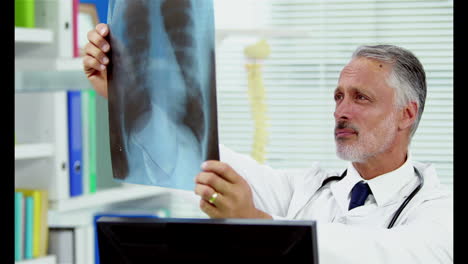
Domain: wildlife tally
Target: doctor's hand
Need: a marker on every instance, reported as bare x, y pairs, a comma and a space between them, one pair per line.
95, 60
234, 197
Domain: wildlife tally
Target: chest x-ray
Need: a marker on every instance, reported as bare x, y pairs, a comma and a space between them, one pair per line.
162, 91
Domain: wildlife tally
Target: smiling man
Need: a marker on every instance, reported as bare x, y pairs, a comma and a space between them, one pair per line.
384, 207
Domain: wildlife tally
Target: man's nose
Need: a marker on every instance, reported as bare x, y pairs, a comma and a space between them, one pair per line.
343, 110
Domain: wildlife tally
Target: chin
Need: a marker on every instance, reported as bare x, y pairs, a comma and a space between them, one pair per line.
349, 153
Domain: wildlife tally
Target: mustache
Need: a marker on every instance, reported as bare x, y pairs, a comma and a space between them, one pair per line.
345, 124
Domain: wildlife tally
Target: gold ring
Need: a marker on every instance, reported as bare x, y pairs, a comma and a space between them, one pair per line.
213, 198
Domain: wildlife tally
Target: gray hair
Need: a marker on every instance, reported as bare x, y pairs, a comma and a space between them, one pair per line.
407, 76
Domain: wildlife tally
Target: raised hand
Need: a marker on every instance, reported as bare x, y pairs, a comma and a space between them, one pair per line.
95, 60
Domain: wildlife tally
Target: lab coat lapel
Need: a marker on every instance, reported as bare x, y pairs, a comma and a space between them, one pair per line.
306, 187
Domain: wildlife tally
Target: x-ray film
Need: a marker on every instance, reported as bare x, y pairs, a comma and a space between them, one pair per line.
162, 91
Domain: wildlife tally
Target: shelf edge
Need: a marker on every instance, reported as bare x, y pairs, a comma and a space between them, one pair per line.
105, 197
32, 151
33, 35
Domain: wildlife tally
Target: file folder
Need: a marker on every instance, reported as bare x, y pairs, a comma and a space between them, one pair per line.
75, 143
19, 234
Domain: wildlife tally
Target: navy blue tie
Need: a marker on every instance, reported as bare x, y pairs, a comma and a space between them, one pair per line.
359, 194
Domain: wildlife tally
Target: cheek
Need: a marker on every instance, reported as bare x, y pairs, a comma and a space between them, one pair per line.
384, 124
361, 115
370, 120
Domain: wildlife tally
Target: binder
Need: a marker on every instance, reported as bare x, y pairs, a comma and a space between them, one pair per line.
75, 143
104, 178
24, 13
29, 228
62, 244
19, 234
88, 100
92, 140
75, 10
85, 139
80, 241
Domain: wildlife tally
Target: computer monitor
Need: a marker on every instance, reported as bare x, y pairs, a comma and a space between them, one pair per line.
171, 240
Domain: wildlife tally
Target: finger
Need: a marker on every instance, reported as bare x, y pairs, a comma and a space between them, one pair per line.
96, 53
204, 191
222, 169
218, 183
95, 38
209, 209
102, 29
91, 63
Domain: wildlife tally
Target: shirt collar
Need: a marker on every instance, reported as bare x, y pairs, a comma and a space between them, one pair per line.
384, 187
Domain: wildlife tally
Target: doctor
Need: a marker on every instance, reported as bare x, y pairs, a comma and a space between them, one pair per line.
384, 207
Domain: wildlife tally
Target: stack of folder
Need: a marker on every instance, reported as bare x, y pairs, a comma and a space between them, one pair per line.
88, 143
82, 141
31, 227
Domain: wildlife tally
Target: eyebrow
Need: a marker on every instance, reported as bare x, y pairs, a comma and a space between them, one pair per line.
356, 89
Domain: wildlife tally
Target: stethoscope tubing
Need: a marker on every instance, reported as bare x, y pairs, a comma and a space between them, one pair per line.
402, 206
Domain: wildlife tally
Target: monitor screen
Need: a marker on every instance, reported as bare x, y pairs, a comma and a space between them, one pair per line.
169, 240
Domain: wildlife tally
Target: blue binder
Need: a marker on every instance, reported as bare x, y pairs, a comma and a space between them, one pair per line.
75, 146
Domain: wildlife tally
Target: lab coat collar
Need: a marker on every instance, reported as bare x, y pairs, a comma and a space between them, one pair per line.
384, 187
395, 183
310, 183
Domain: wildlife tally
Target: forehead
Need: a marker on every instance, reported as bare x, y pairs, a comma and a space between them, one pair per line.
365, 73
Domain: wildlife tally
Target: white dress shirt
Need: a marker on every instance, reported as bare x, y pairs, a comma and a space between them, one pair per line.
423, 232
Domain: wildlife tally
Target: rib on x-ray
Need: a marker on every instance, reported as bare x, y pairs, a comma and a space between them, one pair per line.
162, 91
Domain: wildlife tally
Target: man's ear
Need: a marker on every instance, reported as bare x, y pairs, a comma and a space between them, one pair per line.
408, 115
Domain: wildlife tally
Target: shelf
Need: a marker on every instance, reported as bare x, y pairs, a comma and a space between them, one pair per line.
25, 64
33, 151
106, 197
79, 211
51, 259
49, 81
33, 35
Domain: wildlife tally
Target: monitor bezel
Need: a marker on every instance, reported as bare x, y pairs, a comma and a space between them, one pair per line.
308, 225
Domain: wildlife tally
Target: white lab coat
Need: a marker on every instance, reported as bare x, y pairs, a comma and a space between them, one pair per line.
422, 234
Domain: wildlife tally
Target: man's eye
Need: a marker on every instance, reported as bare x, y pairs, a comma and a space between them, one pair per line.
338, 97
361, 97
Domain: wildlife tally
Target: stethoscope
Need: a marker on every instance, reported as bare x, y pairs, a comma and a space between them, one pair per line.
402, 206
